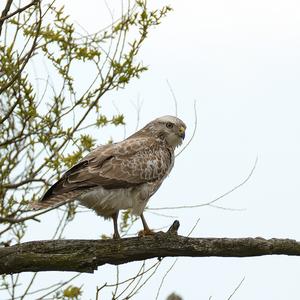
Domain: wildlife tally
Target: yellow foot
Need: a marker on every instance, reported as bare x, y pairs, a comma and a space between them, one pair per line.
146, 232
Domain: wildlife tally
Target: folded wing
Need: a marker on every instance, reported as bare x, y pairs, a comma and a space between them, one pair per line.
122, 165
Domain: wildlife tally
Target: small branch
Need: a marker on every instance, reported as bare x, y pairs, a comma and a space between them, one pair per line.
32, 216
27, 57
15, 221
211, 203
235, 290
18, 184
87, 255
3, 119
6, 16
4, 13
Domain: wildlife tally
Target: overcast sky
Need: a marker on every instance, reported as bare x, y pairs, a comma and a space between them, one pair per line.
240, 60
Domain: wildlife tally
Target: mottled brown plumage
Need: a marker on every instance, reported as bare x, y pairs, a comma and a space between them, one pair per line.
121, 175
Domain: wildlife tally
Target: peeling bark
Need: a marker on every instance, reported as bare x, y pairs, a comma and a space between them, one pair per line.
87, 255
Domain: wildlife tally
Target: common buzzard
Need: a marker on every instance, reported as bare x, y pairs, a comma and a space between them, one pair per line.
122, 175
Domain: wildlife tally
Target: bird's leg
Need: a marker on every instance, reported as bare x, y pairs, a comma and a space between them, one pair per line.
146, 227
147, 230
116, 234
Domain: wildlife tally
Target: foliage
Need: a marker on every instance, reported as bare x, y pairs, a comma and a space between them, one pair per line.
72, 292
44, 105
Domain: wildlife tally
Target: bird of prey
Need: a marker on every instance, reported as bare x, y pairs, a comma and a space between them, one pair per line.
122, 175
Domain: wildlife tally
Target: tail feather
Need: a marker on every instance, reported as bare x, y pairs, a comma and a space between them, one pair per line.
55, 200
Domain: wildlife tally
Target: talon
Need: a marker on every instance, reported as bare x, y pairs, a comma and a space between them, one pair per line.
146, 232
116, 236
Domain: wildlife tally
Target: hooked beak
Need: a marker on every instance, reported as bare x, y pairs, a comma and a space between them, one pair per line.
182, 132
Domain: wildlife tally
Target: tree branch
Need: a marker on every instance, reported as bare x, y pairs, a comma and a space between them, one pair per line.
6, 16
26, 57
4, 13
87, 255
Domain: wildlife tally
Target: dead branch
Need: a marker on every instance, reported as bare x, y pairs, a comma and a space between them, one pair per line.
87, 255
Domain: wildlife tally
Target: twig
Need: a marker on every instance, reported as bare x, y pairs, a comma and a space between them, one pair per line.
238, 286
216, 199
173, 96
194, 130
4, 13
17, 11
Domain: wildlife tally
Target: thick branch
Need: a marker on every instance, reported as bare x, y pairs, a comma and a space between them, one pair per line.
87, 255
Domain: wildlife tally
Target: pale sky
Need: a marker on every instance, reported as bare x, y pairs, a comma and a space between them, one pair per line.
240, 60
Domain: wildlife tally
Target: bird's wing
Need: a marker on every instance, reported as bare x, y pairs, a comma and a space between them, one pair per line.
125, 164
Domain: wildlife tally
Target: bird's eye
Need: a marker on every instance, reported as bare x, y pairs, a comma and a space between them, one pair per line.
169, 125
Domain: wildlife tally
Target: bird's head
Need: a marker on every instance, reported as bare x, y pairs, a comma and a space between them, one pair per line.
169, 128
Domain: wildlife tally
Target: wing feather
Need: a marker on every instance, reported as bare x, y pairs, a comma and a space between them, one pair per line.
126, 164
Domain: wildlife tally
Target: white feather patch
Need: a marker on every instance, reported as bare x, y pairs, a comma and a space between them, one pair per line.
107, 202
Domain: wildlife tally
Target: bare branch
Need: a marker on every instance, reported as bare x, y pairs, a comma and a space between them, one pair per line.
173, 97
87, 255
194, 131
33, 216
17, 11
211, 203
235, 290
18, 184
5, 13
